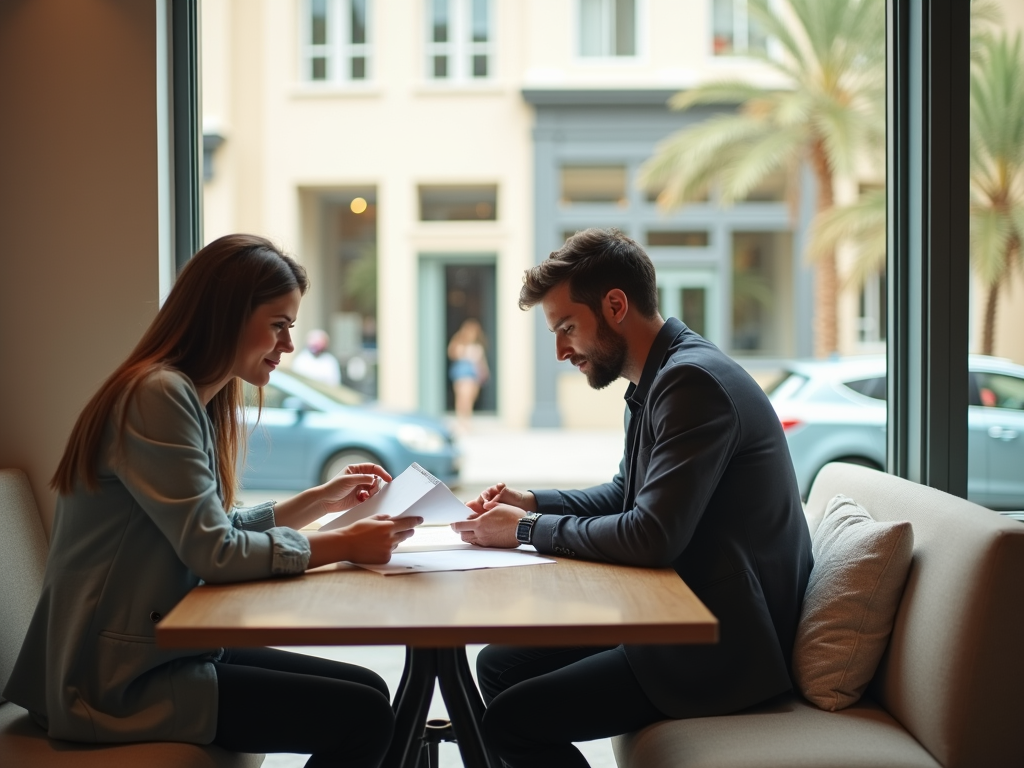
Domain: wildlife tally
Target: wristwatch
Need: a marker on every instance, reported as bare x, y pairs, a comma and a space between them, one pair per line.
524, 530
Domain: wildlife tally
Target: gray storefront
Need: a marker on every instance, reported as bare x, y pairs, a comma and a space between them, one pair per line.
733, 273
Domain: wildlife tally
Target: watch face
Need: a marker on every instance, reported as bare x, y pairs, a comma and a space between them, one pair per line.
523, 532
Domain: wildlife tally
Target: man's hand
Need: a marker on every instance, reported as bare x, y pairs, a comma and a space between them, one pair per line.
495, 527
491, 497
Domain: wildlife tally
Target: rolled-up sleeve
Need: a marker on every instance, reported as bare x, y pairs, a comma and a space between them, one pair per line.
258, 518
291, 550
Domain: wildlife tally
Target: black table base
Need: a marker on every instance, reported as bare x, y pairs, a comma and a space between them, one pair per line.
450, 668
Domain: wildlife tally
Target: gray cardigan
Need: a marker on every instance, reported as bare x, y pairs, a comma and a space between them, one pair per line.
120, 558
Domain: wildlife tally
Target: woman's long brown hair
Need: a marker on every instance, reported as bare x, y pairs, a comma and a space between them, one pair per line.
196, 332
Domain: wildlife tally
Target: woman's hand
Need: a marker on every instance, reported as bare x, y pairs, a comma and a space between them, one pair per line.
370, 540
491, 497
353, 485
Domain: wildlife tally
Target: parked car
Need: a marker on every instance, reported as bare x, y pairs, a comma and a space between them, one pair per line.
834, 410
309, 431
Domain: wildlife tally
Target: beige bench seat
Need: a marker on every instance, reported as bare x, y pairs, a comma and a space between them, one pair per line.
22, 743
947, 693
791, 733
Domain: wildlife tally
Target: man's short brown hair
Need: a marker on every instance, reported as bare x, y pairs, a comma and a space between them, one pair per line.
594, 262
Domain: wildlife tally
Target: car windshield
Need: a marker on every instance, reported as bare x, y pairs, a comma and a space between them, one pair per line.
336, 392
785, 386
873, 387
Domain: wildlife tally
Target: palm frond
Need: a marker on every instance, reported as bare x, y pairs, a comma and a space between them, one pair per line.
862, 224
684, 164
776, 149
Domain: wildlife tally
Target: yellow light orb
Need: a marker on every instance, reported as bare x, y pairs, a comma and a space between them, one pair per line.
358, 205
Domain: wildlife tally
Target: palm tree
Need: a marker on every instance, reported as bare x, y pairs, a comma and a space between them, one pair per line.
997, 176
832, 58
997, 170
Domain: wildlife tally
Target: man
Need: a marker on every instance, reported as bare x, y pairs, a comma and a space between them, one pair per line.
705, 485
315, 361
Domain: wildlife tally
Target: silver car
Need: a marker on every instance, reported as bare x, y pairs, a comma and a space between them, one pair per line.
834, 410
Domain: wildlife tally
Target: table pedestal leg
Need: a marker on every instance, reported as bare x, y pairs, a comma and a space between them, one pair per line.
412, 700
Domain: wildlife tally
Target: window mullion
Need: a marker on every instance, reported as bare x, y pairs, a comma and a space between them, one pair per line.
928, 134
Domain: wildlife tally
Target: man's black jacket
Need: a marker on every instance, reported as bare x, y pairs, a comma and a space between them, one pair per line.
706, 485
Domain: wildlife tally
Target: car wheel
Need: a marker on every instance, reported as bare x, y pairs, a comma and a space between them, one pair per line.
343, 458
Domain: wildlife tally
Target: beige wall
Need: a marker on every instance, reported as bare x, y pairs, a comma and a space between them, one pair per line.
78, 213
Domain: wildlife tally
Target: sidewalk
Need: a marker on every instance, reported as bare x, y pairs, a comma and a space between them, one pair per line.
536, 458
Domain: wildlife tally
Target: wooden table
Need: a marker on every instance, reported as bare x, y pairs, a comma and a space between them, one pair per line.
435, 615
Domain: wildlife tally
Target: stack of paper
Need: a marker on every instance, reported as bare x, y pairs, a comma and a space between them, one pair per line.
418, 493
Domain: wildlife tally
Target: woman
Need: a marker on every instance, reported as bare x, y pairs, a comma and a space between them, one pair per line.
468, 370
145, 512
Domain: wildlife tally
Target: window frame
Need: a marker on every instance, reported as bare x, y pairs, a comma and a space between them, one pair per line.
459, 49
639, 38
339, 51
928, 265
737, 53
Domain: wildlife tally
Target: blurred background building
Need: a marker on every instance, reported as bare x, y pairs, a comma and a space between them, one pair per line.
418, 155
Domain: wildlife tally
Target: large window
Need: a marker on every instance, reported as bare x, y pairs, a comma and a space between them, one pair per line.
733, 31
607, 28
458, 203
336, 41
460, 40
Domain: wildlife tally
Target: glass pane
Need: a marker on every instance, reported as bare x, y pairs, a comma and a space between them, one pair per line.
678, 238
757, 40
625, 27
441, 66
479, 66
594, 184
761, 282
358, 22
272, 396
318, 30
695, 310
481, 22
440, 21
722, 31
995, 447
358, 71
1000, 391
459, 203
593, 25
319, 68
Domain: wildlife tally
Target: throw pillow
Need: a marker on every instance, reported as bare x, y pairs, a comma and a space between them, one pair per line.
860, 568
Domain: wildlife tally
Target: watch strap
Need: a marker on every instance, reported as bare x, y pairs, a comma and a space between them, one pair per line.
524, 529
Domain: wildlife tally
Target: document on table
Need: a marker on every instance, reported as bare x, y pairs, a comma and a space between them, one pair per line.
415, 493
455, 560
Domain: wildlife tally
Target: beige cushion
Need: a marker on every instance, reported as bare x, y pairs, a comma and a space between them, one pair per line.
860, 567
22, 562
22, 743
789, 733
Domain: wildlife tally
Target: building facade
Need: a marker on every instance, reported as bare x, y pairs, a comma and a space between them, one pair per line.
419, 155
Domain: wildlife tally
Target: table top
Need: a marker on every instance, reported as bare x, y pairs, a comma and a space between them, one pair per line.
569, 602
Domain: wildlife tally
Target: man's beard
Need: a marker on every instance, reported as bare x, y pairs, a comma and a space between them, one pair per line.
607, 359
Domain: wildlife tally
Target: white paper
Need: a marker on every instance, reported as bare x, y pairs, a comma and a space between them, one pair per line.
435, 538
414, 493
455, 560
